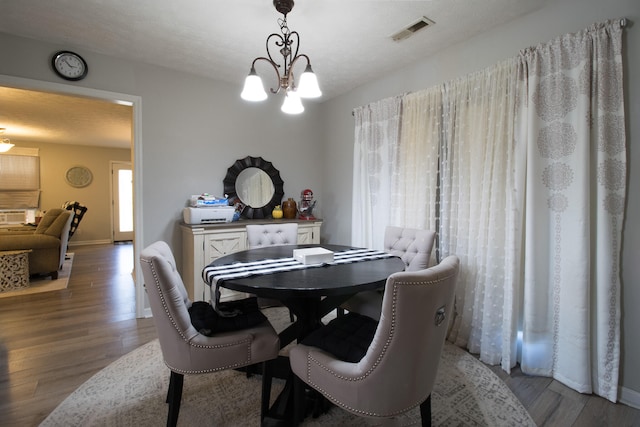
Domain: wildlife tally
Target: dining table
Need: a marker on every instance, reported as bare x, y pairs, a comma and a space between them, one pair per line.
309, 291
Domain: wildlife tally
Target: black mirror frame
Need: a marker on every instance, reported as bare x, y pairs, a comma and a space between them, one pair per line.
229, 183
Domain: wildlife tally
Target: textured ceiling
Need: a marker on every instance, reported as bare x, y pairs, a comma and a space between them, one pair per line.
31, 116
348, 41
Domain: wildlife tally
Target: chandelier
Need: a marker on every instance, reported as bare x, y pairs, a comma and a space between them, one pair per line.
5, 143
287, 45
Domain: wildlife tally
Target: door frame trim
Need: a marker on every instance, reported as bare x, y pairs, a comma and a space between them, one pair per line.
136, 154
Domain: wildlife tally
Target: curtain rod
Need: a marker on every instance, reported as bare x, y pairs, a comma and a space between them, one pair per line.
623, 23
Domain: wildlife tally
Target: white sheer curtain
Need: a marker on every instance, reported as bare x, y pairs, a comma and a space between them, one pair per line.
521, 168
377, 134
576, 185
479, 209
415, 187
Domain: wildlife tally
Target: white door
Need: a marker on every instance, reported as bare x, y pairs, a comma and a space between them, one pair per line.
122, 201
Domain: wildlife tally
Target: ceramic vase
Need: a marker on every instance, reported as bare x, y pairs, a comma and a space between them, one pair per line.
277, 212
289, 208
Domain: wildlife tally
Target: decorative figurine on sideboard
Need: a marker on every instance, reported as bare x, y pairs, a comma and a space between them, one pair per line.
306, 205
277, 212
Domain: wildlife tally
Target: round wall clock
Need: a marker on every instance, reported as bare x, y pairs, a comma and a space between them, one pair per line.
78, 176
69, 65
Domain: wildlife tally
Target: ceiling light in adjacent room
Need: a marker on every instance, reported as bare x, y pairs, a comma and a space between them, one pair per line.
5, 143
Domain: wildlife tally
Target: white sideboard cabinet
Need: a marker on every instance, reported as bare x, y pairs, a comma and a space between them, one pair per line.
201, 244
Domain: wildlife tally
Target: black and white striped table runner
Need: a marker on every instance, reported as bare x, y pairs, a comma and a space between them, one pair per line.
212, 275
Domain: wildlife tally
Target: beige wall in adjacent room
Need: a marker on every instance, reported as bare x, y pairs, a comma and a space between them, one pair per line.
55, 160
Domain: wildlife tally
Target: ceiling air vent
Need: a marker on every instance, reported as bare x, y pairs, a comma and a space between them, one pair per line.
412, 28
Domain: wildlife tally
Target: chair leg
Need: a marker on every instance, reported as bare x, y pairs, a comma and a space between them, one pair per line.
174, 396
291, 316
340, 311
299, 401
425, 412
266, 390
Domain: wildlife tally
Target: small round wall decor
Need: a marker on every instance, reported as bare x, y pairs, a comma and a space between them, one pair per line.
78, 176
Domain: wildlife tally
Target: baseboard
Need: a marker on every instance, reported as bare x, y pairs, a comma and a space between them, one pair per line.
629, 397
90, 242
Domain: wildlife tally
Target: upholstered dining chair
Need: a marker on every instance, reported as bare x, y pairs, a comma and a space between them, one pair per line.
184, 349
262, 235
397, 370
414, 246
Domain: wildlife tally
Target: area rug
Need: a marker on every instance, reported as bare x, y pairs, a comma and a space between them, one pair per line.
44, 283
132, 391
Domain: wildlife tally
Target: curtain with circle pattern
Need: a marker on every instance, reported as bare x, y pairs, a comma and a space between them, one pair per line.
521, 168
573, 116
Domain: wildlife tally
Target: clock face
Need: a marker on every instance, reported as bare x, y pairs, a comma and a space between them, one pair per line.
69, 65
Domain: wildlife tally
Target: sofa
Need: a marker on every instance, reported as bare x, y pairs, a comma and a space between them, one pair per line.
48, 242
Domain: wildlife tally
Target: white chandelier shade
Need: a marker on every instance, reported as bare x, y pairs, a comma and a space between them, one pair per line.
253, 88
292, 103
287, 44
308, 87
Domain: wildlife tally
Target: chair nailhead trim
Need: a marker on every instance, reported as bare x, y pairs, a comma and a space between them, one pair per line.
175, 325
376, 363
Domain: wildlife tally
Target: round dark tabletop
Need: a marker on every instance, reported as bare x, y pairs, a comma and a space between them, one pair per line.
330, 280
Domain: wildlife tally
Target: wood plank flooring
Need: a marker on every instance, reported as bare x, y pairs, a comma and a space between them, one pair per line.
50, 343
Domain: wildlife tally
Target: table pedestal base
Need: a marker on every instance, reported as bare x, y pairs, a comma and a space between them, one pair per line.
309, 313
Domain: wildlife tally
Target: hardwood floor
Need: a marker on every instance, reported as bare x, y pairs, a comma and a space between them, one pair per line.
52, 342
552, 404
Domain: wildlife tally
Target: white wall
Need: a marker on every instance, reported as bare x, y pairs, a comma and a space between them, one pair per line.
555, 19
193, 129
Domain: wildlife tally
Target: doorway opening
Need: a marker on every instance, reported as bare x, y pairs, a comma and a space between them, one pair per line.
136, 153
122, 201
